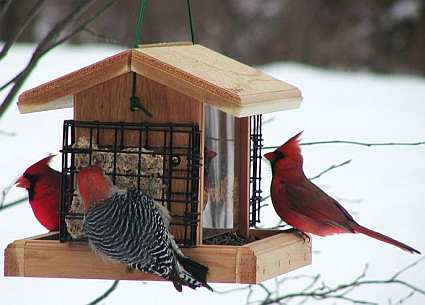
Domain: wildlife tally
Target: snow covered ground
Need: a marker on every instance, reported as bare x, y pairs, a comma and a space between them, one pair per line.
389, 181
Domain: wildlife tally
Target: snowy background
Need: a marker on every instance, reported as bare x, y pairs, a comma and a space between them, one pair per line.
382, 186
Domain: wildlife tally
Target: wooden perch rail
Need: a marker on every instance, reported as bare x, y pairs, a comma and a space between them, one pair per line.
275, 252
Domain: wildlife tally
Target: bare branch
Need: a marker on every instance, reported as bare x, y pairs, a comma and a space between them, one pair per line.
267, 121
49, 42
7, 133
356, 143
220, 139
334, 166
32, 13
83, 25
105, 294
41, 49
366, 144
11, 204
3, 194
4, 7
313, 290
100, 37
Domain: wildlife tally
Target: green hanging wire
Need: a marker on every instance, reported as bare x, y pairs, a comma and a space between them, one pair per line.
138, 34
135, 102
189, 12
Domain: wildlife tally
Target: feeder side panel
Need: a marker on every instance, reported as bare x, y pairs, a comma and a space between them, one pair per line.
221, 261
106, 102
201, 189
241, 216
14, 259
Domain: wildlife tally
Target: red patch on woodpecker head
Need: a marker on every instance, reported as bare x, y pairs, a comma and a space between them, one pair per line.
93, 185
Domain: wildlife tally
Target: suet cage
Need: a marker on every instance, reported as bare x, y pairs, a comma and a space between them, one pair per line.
147, 156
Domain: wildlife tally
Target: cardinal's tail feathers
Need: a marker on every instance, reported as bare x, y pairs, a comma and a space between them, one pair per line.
359, 229
193, 274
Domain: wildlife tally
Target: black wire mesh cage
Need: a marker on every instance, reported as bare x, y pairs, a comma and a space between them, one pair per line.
255, 192
161, 159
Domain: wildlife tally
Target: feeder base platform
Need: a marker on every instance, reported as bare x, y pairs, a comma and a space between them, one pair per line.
274, 252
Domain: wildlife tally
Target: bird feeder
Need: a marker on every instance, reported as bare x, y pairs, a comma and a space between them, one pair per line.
198, 153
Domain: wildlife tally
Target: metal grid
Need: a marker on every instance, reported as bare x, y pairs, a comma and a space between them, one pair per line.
256, 144
179, 146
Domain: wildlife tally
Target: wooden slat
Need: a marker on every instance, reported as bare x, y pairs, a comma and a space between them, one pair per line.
251, 263
58, 93
14, 255
201, 192
246, 266
280, 254
264, 233
165, 44
242, 175
213, 71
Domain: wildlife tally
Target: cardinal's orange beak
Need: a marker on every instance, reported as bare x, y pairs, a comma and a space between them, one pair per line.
269, 156
23, 182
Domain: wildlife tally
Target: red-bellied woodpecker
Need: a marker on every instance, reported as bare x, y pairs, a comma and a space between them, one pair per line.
43, 186
130, 227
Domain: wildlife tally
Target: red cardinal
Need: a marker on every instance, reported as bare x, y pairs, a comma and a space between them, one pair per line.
306, 207
43, 186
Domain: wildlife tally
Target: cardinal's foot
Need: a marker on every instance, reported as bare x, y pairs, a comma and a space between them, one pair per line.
301, 234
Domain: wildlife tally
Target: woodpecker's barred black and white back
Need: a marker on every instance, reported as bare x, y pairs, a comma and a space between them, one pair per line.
131, 227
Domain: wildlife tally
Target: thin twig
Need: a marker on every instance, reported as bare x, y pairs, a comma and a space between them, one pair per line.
49, 42
340, 291
11, 204
83, 25
4, 192
4, 7
100, 37
32, 13
105, 294
320, 291
42, 47
220, 139
332, 167
355, 143
7, 133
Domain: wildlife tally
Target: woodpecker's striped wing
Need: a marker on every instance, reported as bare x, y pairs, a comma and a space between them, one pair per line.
129, 228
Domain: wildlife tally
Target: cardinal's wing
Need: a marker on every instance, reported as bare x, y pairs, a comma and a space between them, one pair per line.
309, 200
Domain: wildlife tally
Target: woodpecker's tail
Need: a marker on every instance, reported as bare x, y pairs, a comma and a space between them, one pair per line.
359, 229
193, 274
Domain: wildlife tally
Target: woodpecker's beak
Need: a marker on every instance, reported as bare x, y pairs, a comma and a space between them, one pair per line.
23, 182
269, 156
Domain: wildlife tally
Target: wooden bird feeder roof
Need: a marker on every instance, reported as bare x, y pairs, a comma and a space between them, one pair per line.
193, 70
